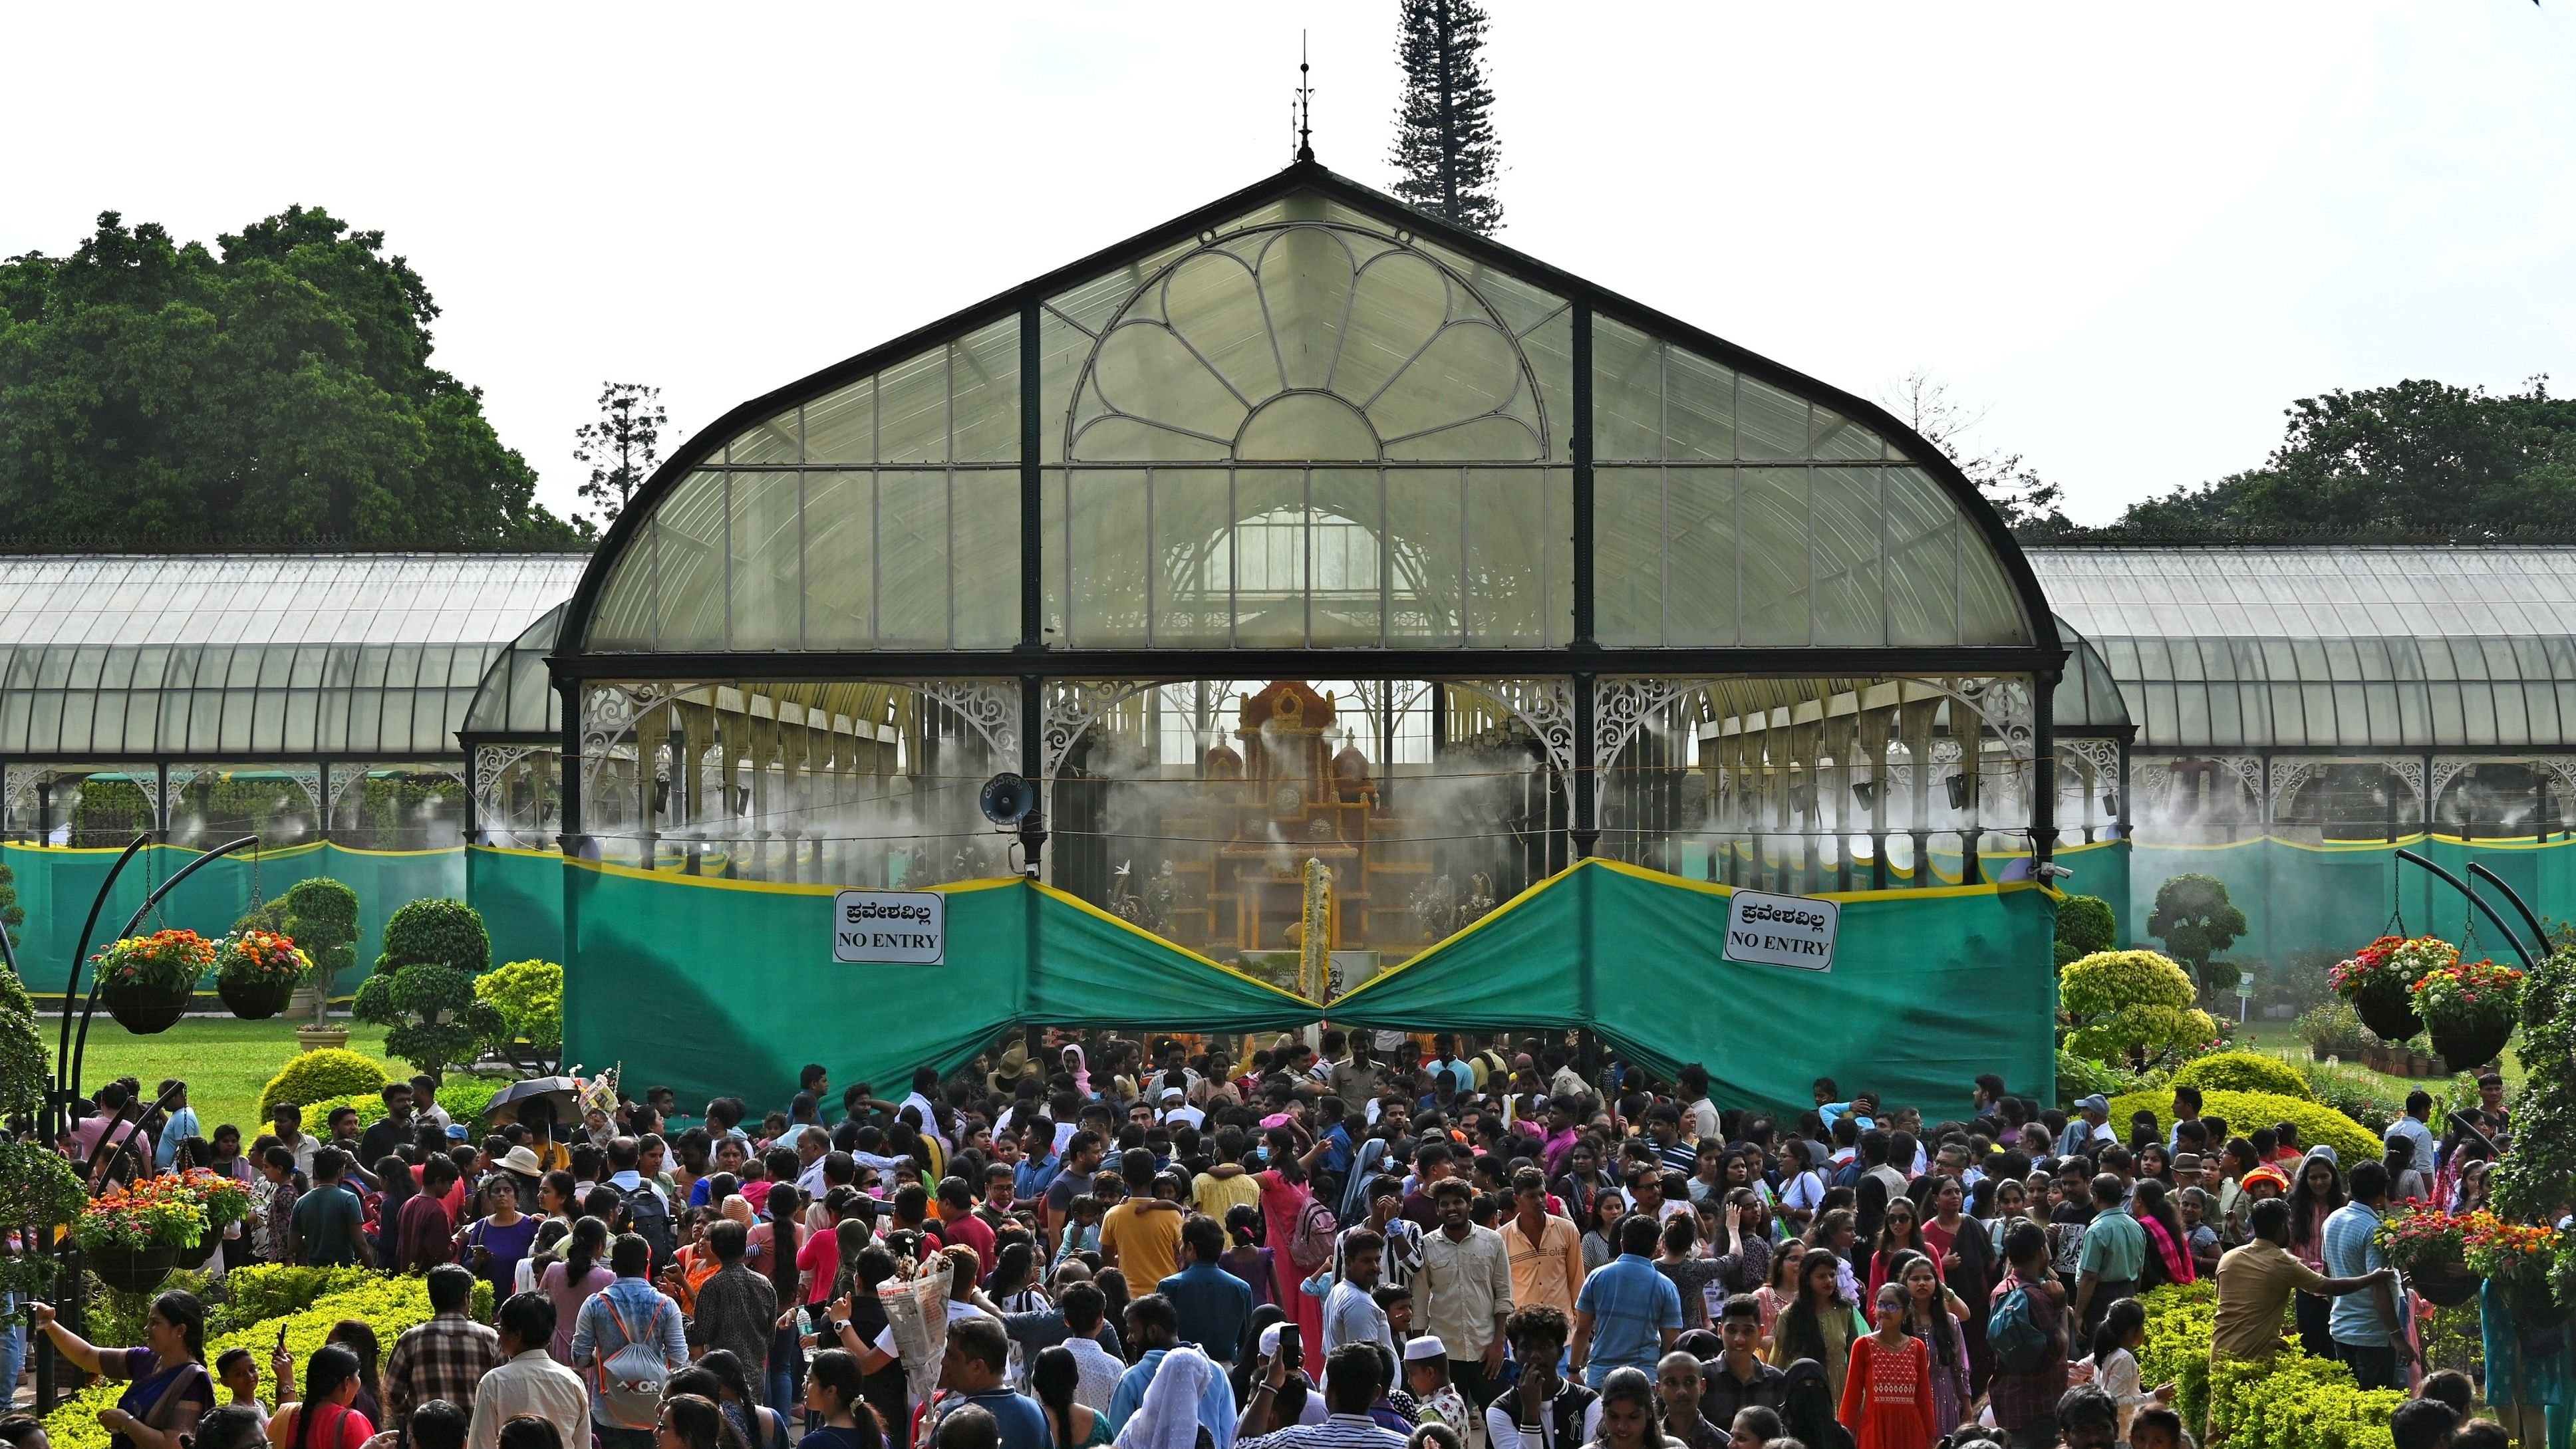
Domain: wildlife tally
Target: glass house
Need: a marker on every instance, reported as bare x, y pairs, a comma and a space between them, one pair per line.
1305, 527
301, 696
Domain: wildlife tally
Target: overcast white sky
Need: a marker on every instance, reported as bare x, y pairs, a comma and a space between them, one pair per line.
2132, 235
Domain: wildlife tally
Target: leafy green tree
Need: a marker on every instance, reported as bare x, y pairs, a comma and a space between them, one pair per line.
278, 386
423, 986
1446, 157
528, 995
321, 917
2084, 925
2128, 1007
2196, 921
2419, 457
621, 447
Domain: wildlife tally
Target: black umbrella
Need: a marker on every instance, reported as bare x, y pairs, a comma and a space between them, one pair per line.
560, 1091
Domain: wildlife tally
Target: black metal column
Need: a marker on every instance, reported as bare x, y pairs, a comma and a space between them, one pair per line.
2043, 772
569, 839
1585, 796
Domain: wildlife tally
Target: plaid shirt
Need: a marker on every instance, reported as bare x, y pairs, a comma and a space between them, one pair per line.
441, 1359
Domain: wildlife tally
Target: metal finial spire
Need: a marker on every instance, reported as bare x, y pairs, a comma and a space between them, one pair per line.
1305, 95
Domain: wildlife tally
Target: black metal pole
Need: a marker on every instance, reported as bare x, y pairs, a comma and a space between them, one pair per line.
80, 1044
71, 984
2457, 884
2539, 936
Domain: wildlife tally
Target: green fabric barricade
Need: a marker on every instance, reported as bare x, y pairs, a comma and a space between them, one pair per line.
521, 896
725, 988
1927, 988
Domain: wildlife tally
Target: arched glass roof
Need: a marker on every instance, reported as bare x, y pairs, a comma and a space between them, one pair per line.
1306, 418
230, 657
2087, 699
2349, 647
515, 700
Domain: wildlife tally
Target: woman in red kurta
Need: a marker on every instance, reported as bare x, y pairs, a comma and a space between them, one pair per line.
1887, 1396
1283, 1200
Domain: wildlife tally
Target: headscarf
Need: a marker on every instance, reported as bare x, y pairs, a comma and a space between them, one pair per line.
1169, 1416
2176, 1256
1081, 1067
1363, 1171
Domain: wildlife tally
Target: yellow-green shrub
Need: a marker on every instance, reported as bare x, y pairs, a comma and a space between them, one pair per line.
2290, 1402
313, 1076
259, 1292
2126, 1003
389, 1305
2319, 1125
2243, 1072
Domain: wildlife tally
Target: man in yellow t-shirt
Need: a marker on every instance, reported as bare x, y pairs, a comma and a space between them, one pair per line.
1141, 1237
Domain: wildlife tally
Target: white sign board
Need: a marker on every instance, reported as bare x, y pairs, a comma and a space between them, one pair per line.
892, 928
1769, 930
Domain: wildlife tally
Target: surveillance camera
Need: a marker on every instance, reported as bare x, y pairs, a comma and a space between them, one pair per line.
2053, 871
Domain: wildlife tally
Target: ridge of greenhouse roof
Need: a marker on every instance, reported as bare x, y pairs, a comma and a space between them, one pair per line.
345, 598
2310, 591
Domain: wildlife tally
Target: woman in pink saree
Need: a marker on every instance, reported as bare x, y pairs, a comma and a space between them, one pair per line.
1284, 1197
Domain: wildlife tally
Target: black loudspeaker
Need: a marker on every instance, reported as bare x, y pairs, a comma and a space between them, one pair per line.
1007, 799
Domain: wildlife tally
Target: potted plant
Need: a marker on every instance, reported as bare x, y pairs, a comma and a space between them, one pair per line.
2470, 1007
136, 1235
2429, 1246
2518, 1257
256, 971
146, 980
2332, 1030
2380, 977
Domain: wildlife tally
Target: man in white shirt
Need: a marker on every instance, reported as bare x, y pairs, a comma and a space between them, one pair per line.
1178, 1111
924, 1082
529, 1383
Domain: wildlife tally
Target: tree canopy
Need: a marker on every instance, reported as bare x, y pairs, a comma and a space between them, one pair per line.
1446, 157
276, 387
2416, 458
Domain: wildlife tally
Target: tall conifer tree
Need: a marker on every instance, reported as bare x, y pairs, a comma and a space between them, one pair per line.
1445, 151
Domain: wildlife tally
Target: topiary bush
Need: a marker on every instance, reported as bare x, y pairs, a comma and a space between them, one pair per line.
318, 1076
2242, 1072
2128, 1007
321, 917
423, 986
2196, 921
2086, 923
2319, 1125
529, 997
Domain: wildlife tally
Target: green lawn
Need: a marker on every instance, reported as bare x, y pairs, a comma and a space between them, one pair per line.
224, 1062
2275, 1037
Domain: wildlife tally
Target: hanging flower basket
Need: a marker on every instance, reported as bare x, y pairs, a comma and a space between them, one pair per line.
2428, 1245
2379, 981
2447, 1285
144, 1270
2470, 1007
2518, 1257
146, 980
256, 973
138, 1234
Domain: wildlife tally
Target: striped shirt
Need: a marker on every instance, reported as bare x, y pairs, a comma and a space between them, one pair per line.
1338, 1431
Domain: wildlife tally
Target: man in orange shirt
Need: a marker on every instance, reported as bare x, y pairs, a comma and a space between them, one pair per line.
1546, 1250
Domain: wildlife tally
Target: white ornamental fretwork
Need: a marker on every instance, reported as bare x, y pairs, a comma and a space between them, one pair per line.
2101, 760
1622, 706
308, 778
1072, 707
991, 710
17, 783
1545, 705
2561, 770
2445, 770
2410, 769
2248, 770
608, 716
491, 763
2283, 787
2002, 702
2150, 787
161, 792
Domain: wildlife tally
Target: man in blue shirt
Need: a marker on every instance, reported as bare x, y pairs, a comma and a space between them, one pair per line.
2367, 1332
1038, 1163
977, 1357
1213, 1305
2410, 1129
1154, 1327
1627, 1315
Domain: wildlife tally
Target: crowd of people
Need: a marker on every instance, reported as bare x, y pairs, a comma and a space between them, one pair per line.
1349, 1241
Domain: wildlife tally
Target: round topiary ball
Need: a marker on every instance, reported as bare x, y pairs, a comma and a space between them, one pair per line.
318, 1075
437, 932
2243, 1072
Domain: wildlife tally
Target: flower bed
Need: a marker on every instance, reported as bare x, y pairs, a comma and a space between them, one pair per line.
389, 1305
174, 1210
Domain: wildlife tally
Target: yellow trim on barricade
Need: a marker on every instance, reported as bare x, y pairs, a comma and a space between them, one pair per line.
1176, 948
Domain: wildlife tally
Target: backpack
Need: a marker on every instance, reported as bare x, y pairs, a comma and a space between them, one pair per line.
649, 1218
630, 1380
1310, 1242
2012, 1331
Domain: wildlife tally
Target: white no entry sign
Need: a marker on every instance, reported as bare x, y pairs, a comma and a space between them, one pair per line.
891, 928
1768, 930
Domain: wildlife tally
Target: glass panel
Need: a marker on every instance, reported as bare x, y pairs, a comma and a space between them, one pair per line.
1485, 440
1306, 290
1699, 407
1773, 514
1769, 423
1700, 579
1061, 350
765, 544
986, 583
1840, 437
1215, 312
1342, 539
1398, 303
1846, 510
841, 427
1629, 528
774, 441
985, 377
1428, 530
1560, 556
1468, 371
1054, 582
1506, 569
1989, 610
1193, 526
1269, 561
1923, 562
1144, 370
1303, 425
913, 549
912, 411
1550, 351
690, 529
1627, 394
840, 560
1106, 550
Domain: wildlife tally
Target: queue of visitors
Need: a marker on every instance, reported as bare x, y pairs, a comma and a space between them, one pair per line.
1491, 1244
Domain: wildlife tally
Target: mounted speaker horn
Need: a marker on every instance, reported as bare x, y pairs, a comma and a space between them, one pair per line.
1007, 799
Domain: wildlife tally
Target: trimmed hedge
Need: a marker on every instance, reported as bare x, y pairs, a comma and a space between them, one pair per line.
2243, 1072
463, 1097
2319, 1125
389, 1305
2291, 1402
314, 1076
